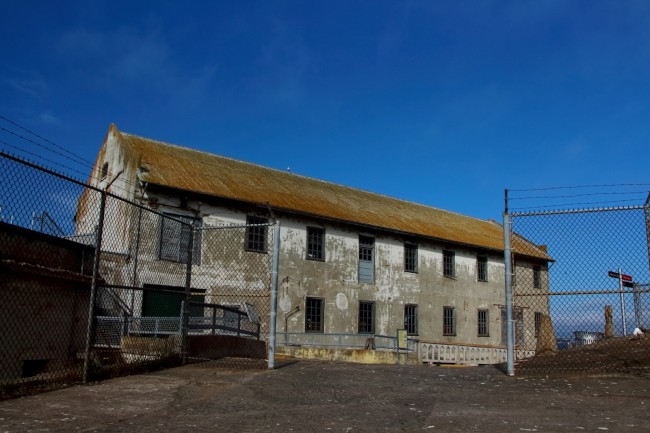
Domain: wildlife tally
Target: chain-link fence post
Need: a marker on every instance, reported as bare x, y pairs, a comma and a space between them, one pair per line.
186, 303
507, 258
274, 293
90, 332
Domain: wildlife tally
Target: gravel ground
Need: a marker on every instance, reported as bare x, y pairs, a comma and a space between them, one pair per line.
309, 396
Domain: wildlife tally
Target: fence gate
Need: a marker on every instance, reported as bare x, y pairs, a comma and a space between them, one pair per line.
585, 305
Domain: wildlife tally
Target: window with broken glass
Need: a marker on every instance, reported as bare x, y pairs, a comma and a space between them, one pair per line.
314, 315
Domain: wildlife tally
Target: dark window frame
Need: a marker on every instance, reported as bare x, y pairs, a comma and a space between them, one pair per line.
410, 257
411, 319
537, 277
314, 314
175, 250
448, 321
366, 255
256, 234
482, 268
449, 263
316, 244
366, 317
538, 323
483, 321
104, 173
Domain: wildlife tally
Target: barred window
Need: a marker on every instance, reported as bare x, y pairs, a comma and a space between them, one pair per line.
483, 323
315, 243
104, 171
256, 234
449, 321
411, 319
175, 233
410, 257
366, 317
448, 263
314, 315
482, 268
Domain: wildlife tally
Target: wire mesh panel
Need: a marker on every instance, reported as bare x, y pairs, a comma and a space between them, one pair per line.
585, 304
93, 285
45, 278
232, 322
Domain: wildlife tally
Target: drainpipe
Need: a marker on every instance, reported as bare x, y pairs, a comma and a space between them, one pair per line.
507, 257
274, 293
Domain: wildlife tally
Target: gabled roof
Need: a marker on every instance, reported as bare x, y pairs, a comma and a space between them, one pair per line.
200, 172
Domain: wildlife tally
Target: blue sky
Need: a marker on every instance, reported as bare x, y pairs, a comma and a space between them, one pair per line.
441, 103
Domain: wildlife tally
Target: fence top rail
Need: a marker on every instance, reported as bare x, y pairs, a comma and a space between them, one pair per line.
575, 211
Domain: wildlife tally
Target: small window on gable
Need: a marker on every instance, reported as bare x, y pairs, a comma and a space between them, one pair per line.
104, 171
537, 277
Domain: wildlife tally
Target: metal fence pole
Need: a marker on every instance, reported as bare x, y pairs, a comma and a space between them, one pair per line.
90, 330
507, 257
274, 293
186, 304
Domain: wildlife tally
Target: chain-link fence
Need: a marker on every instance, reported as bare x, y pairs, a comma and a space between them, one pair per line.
93, 285
587, 302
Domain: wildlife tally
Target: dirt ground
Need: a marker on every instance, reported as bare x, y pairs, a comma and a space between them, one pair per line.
308, 396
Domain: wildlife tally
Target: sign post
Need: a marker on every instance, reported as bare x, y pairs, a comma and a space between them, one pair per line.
623, 281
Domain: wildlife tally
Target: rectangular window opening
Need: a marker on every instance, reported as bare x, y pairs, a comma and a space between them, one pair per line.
483, 323
366, 259
366, 317
449, 321
315, 243
448, 261
410, 257
256, 234
482, 268
314, 315
175, 234
411, 319
537, 277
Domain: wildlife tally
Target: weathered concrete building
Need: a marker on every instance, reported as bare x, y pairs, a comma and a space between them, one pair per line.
352, 264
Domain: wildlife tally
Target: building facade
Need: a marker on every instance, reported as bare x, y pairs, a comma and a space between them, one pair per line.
352, 264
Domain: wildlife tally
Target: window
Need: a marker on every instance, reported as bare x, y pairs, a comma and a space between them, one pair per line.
448, 259
482, 269
366, 259
175, 234
411, 319
449, 321
410, 257
483, 323
538, 323
256, 234
104, 171
315, 243
314, 315
366, 317
537, 277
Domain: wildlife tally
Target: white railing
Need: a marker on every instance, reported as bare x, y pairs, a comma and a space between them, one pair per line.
442, 353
